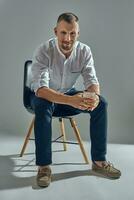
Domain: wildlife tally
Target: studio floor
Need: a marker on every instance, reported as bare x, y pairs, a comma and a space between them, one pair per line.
72, 178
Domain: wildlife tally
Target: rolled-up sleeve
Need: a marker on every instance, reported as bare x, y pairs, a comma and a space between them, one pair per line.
40, 70
88, 70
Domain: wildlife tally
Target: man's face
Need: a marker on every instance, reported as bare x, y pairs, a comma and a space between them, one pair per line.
67, 34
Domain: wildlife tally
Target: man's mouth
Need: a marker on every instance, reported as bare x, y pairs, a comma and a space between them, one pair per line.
65, 43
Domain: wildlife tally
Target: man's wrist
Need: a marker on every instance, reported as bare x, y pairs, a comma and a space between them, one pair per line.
68, 99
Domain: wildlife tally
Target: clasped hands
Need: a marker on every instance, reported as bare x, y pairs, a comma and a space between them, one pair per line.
89, 101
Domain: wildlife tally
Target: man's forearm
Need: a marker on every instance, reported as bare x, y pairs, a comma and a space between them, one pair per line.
94, 88
53, 96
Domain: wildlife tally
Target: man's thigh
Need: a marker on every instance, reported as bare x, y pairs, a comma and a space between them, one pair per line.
62, 110
66, 110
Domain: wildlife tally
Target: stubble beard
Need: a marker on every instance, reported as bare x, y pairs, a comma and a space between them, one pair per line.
67, 48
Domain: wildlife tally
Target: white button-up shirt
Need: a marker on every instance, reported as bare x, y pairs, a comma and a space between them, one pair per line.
50, 68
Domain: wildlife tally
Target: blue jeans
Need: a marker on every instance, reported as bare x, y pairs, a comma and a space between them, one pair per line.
44, 110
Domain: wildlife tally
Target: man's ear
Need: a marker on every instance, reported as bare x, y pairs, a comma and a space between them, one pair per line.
55, 31
78, 33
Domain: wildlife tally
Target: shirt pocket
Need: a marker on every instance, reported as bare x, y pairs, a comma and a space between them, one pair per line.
73, 76
75, 72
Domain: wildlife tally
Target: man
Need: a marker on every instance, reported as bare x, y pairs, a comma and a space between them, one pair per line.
56, 66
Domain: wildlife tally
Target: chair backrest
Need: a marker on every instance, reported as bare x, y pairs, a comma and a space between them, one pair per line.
26, 86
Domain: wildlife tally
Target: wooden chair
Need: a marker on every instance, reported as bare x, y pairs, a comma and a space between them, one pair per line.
26, 102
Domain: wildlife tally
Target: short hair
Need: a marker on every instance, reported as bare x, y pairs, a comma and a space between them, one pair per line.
68, 17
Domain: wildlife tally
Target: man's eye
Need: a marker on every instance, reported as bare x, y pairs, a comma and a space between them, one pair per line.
73, 34
64, 33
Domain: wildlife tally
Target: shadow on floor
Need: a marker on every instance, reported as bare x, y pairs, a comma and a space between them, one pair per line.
9, 179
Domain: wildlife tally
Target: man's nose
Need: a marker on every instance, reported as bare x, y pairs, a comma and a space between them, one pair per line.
68, 38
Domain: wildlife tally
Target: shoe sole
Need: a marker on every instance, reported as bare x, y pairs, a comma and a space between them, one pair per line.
106, 174
42, 184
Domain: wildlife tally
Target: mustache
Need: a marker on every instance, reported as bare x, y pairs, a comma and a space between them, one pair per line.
67, 42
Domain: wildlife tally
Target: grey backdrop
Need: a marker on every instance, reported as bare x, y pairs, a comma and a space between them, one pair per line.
105, 25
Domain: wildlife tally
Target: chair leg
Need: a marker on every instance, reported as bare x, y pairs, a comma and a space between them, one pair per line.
62, 128
27, 138
77, 134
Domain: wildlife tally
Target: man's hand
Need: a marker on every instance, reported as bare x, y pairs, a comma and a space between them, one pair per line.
84, 103
95, 102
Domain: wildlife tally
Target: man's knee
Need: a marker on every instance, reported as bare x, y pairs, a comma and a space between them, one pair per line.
103, 101
41, 105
